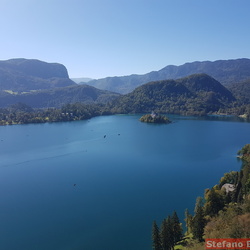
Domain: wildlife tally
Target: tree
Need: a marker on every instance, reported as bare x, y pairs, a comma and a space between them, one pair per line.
188, 220
156, 237
198, 222
164, 235
167, 237
214, 202
237, 193
230, 177
244, 154
176, 226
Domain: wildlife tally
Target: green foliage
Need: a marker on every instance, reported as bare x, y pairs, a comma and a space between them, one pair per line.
230, 177
215, 201
232, 222
153, 118
244, 153
241, 90
57, 97
198, 221
188, 220
176, 227
69, 112
170, 233
156, 237
197, 95
167, 237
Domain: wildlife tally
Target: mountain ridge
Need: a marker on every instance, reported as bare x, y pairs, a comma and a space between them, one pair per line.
20, 74
224, 71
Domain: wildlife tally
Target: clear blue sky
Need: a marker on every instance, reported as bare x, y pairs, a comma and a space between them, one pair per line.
99, 38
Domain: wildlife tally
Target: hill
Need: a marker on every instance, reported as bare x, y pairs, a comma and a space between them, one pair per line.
241, 91
224, 71
58, 96
22, 75
195, 94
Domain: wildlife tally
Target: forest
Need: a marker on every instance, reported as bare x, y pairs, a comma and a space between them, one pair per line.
223, 212
197, 94
22, 114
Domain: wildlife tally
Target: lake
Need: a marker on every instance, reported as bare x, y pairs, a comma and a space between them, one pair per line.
99, 184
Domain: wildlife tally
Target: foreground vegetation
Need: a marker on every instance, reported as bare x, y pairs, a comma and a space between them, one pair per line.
223, 212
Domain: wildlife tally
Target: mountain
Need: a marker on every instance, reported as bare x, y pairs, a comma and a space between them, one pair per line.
58, 96
22, 75
241, 90
195, 94
41, 84
224, 71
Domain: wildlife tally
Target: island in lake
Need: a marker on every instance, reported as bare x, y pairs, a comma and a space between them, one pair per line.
155, 118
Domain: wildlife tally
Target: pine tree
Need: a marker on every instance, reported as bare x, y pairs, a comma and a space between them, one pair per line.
164, 235
198, 222
188, 219
169, 233
156, 237
176, 227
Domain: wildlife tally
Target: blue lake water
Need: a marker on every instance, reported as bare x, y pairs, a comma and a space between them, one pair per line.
127, 174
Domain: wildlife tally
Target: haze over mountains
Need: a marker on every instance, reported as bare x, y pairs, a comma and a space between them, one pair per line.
224, 71
81, 80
